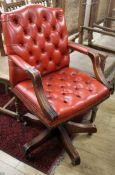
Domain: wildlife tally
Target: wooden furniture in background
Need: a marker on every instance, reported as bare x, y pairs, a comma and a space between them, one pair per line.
109, 14
42, 2
60, 3
4, 79
9, 6
4, 71
95, 27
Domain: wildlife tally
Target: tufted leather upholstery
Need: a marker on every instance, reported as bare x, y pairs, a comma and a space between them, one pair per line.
39, 36
68, 91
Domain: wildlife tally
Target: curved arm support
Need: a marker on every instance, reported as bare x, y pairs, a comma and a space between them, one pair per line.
78, 47
47, 109
95, 58
35, 77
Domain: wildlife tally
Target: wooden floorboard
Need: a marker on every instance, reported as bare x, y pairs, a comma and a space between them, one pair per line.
98, 151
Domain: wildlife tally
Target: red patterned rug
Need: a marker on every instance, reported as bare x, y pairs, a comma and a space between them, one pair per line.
14, 135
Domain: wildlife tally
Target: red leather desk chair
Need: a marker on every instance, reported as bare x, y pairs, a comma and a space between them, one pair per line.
38, 50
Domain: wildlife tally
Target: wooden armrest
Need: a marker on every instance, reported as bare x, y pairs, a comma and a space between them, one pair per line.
35, 77
96, 60
78, 47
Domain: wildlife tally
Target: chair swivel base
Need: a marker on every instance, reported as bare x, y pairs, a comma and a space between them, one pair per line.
63, 132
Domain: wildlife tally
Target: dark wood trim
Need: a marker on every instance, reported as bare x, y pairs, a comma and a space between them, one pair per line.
37, 141
73, 127
81, 16
63, 132
93, 116
104, 28
19, 117
96, 61
35, 77
60, 4
99, 31
102, 48
110, 18
40, 94
96, 46
67, 143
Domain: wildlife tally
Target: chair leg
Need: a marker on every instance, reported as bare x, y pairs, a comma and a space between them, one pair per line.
19, 117
67, 143
37, 141
73, 128
93, 116
30, 119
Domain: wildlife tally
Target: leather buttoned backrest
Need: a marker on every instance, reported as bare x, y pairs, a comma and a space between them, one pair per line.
39, 36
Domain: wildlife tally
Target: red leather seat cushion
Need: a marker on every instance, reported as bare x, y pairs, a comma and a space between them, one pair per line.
69, 91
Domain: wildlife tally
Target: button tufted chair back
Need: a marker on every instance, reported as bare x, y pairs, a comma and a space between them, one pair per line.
37, 44
39, 36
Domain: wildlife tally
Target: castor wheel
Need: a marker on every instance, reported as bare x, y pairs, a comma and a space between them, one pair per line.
28, 156
25, 123
76, 161
90, 134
